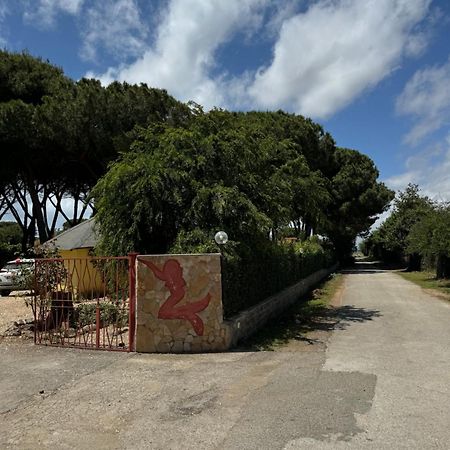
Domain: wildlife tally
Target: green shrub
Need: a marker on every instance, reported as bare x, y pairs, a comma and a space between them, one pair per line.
110, 313
253, 273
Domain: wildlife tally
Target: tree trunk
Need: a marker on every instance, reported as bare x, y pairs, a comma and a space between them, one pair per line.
443, 267
414, 262
308, 230
38, 214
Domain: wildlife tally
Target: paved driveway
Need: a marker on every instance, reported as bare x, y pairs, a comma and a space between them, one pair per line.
381, 382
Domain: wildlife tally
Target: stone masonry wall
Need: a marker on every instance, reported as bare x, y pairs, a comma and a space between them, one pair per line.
179, 304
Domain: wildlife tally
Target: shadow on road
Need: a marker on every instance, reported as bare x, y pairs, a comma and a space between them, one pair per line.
367, 267
293, 325
340, 318
345, 315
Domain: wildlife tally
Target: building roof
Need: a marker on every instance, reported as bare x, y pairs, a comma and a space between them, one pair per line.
83, 235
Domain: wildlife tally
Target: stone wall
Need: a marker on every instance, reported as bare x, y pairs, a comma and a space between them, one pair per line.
179, 304
247, 322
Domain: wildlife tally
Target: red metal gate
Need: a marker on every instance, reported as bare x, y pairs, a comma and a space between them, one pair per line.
85, 302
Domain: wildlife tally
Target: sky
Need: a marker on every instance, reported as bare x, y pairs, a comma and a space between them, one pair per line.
374, 73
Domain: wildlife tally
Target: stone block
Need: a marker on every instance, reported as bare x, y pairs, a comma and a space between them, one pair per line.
178, 346
187, 347
163, 347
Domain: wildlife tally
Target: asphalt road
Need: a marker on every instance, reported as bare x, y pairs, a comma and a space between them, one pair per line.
382, 381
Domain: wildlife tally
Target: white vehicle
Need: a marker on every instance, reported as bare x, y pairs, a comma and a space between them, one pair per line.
12, 275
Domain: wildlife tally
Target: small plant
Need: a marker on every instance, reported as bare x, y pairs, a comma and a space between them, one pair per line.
110, 313
43, 279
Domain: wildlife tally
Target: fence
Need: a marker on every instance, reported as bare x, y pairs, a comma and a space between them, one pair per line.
85, 302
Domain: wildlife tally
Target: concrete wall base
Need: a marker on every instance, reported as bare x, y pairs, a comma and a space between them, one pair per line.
247, 322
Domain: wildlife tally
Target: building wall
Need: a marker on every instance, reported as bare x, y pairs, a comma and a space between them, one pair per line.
85, 278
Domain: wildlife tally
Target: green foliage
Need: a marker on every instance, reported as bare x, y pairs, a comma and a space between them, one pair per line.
251, 174
417, 229
110, 313
10, 241
357, 198
430, 237
179, 179
254, 272
58, 137
170, 174
197, 241
389, 241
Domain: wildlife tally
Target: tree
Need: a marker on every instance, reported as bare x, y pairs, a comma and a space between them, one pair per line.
25, 84
59, 136
241, 172
356, 199
10, 241
390, 241
176, 179
430, 237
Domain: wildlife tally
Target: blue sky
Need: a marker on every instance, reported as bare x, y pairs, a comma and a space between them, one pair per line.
375, 73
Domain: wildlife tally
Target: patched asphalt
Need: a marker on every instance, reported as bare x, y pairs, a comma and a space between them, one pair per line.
380, 380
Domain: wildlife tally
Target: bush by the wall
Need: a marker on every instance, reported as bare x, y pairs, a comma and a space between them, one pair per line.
254, 267
110, 313
265, 269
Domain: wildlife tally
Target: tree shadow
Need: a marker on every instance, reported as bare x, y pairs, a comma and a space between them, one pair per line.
298, 326
348, 314
368, 267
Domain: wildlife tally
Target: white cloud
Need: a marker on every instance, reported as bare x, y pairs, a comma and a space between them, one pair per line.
283, 10
183, 55
4, 10
381, 218
430, 170
328, 55
43, 13
115, 25
426, 98
323, 57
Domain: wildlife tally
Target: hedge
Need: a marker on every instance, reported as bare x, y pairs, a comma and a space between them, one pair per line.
266, 270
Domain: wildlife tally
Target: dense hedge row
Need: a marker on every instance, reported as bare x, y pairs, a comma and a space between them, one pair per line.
266, 270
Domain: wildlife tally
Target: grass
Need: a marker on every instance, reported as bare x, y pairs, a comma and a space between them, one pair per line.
427, 280
298, 320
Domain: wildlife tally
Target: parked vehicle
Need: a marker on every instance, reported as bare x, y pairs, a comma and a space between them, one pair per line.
13, 276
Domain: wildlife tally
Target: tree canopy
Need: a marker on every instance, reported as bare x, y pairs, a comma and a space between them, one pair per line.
58, 137
417, 230
248, 173
389, 241
430, 238
167, 173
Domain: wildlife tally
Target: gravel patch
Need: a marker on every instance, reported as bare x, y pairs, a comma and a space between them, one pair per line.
13, 308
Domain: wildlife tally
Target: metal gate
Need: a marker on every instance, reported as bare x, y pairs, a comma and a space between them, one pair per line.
85, 302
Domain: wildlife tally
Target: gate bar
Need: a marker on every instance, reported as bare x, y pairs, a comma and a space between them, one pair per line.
132, 307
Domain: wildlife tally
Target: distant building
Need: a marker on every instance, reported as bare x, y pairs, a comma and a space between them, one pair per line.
76, 242
75, 246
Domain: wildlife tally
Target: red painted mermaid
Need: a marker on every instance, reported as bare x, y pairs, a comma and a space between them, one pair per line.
172, 275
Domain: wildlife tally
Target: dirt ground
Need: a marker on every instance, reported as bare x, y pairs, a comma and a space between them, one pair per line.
13, 308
